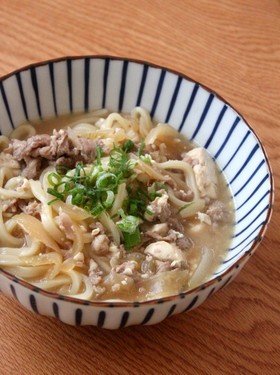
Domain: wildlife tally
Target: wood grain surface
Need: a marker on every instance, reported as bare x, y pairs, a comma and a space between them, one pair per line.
232, 46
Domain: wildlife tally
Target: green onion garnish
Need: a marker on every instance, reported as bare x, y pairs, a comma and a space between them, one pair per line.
141, 148
129, 226
128, 146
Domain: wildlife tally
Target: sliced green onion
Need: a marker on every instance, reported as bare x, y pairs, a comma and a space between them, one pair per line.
54, 178
55, 193
141, 148
128, 223
106, 181
146, 159
96, 210
128, 146
132, 240
99, 154
110, 197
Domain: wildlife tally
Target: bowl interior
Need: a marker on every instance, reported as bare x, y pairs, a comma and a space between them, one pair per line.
74, 85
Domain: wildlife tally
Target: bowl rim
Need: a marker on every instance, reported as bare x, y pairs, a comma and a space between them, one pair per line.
236, 264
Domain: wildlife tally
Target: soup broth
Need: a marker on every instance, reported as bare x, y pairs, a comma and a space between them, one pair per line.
108, 206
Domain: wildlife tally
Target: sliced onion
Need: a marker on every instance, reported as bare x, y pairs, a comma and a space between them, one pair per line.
206, 261
34, 228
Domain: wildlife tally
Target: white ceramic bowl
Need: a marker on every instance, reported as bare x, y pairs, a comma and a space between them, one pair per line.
70, 85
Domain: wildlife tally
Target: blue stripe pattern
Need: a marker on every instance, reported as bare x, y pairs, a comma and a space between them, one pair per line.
69, 81
13, 291
36, 90
6, 103
123, 81
87, 78
158, 92
255, 191
245, 163
78, 317
142, 85
171, 311
124, 319
192, 304
56, 310
101, 319
253, 208
250, 178
221, 115
225, 142
33, 303
105, 80
189, 106
173, 100
51, 70
236, 151
221, 130
22, 97
203, 115
148, 316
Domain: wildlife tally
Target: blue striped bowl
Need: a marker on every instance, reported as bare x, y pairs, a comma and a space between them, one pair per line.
71, 85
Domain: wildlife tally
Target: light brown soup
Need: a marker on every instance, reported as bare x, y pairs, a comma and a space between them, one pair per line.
176, 250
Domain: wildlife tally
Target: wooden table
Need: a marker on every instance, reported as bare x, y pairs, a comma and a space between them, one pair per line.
232, 46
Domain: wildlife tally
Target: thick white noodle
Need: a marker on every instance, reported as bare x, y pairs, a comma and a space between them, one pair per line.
143, 119
188, 172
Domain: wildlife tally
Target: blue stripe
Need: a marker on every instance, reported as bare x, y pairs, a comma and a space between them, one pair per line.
193, 302
124, 319
252, 209
101, 319
53, 87
226, 283
23, 102
36, 89
236, 121
13, 291
254, 192
190, 103
56, 310
105, 80
211, 292
221, 115
252, 222
255, 148
142, 85
244, 247
148, 316
240, 243
250, 178
238, 148
2, 90
171, 311
158, 92
123, 83
33, 303
78, 317
174, 97
87, 77
204, 114
69, 82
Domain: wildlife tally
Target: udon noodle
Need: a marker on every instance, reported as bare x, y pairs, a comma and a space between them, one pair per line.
110, 207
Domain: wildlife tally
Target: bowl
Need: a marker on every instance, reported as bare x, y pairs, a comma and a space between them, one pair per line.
81, 84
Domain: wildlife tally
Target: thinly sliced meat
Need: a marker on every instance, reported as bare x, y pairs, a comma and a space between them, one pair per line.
59, 149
